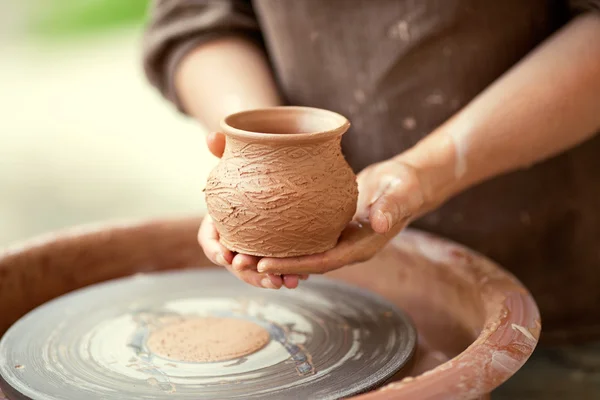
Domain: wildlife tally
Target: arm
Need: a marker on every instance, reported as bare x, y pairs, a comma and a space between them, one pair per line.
544, 105
206, 57
224, 76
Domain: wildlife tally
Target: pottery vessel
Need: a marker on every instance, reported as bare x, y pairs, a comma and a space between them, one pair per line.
282, 187
477, 324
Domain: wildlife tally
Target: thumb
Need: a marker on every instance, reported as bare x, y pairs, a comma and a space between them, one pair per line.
401, 199
216, 143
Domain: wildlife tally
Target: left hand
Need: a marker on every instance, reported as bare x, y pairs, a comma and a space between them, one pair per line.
390, 196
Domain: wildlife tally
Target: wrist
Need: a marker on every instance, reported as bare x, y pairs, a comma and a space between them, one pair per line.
437, 167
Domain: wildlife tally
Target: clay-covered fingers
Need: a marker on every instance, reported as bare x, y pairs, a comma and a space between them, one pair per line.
358, 243
313, 264
367, 188
216, 143
243, 262
243, 266
252, 277
390, 194
208, 238
400, 200
291, 281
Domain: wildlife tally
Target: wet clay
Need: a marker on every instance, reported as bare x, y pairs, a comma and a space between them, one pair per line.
208, 339
283, 187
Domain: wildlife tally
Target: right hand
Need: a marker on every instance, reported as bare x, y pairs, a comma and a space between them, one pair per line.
242, 266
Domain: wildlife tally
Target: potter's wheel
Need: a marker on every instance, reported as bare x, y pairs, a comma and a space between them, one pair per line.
325, 340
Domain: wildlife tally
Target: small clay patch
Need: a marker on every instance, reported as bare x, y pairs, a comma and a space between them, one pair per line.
208, 339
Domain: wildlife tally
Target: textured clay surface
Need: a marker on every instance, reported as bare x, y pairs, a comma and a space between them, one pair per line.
281, 198
208, 339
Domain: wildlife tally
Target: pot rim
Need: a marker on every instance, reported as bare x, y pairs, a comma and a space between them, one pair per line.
342, 125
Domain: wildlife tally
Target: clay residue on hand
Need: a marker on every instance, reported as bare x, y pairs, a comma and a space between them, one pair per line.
207, 339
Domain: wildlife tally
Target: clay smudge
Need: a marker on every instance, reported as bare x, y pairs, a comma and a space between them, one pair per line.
524, 331
435, 98
304, 362
237, 362
299, 355
359, 96
409, 123
152, 382
459, 135
400, 30
502, 360
208, 339
165, 387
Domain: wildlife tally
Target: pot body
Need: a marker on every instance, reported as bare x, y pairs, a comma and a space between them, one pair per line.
281, 198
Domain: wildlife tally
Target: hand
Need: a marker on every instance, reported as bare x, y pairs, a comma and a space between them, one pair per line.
390, 196
242, 266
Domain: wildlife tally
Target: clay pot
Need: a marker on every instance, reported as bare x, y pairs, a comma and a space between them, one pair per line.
477, 324
283, 187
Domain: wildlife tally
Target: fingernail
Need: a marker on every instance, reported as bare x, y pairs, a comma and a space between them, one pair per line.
221, 259
236, 265
388, 218
266, 283
304, 277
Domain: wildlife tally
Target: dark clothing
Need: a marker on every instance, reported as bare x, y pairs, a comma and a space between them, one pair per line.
400, 68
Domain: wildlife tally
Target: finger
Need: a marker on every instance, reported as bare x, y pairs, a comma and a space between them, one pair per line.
303, 277
253, 278
366, 188
357, 243
313, 264
382, 219
208, 238
245, 261
277, 280
290, 281
216, 143
401, 199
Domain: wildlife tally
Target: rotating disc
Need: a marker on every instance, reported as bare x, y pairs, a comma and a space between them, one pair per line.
323, 340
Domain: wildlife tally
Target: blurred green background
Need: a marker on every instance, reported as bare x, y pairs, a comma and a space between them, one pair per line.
64, 18
83, 137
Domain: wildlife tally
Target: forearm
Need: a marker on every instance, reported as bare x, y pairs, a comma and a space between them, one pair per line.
546, 104
224, 76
